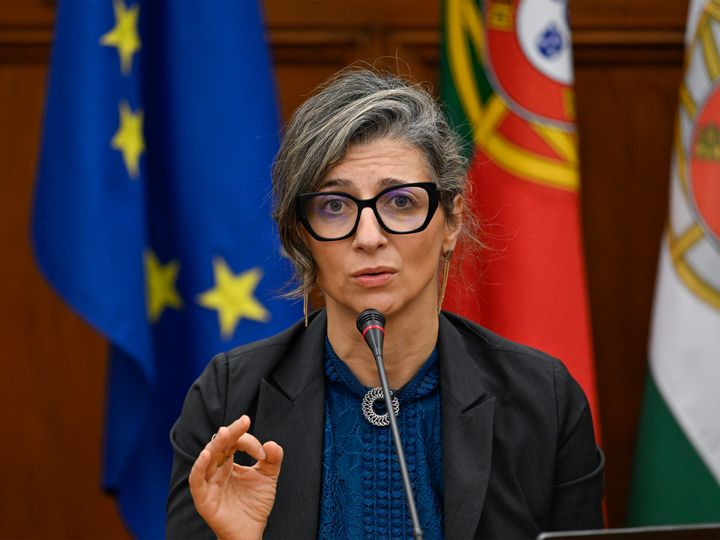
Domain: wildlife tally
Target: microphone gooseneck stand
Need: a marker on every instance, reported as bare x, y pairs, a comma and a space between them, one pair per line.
371, 324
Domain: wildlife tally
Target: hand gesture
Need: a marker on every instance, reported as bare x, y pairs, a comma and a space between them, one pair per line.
235, 501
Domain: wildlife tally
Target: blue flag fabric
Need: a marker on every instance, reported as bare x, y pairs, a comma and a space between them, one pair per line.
152, 209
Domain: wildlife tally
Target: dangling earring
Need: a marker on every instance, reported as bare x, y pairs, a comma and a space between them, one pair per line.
446, 270
305, 308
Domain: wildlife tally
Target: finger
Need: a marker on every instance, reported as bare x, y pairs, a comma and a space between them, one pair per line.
270, 466
221, 444
227, 435
239, 426
219, 469
213, 469
251, 446
222, 457
218, 448
197, 480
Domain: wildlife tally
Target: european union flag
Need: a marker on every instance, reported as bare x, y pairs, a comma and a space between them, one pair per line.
152, 209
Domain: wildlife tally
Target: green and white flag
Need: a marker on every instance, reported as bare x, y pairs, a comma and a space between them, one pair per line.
677, 465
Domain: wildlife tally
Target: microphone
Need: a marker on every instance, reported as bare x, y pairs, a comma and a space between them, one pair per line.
371, 324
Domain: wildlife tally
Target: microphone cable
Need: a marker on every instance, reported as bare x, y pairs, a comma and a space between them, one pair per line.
371, 324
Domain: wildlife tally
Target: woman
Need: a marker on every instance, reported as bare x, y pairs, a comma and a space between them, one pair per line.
369, 186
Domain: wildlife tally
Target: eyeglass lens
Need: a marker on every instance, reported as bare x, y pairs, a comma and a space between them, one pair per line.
401, 210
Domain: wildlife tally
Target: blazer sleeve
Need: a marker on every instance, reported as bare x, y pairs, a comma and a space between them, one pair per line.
579, 481
202, 414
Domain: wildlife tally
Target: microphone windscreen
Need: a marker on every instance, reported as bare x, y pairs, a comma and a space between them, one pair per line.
370, 317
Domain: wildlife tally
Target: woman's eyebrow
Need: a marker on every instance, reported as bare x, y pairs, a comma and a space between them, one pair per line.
390, 182
333, 182
343, 183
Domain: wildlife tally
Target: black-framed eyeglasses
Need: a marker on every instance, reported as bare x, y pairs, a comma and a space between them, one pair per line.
400, 209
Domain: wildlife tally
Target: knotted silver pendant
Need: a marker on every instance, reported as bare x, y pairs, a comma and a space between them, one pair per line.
368, 409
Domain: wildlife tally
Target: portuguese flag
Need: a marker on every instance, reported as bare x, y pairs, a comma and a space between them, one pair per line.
677, 462
507, 84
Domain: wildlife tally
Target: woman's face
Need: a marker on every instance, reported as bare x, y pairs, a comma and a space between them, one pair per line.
373, 268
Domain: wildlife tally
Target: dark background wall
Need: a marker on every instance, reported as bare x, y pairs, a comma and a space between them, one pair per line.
628, 62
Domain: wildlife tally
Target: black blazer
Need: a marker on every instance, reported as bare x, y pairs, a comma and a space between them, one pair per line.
519, 454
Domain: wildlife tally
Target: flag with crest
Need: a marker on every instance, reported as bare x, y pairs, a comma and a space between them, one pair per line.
152, 209
676, 478
507, 82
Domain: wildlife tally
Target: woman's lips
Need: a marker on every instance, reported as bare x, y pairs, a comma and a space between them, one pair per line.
373, 277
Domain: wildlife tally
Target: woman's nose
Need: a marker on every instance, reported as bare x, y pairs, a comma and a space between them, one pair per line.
369, 233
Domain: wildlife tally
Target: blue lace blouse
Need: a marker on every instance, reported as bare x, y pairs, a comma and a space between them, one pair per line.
362, 490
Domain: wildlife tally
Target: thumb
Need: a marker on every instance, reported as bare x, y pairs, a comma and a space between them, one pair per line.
270, 466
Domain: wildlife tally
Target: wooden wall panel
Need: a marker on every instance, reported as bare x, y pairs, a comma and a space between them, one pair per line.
52, 390
624, 167
628, 60
311, 40
628, 64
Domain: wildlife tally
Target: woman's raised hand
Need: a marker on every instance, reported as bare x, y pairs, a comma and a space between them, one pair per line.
235, 501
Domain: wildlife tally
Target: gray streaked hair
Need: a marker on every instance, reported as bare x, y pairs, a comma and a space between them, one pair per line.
357, 106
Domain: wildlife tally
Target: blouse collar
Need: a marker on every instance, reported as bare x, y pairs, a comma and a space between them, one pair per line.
422, 384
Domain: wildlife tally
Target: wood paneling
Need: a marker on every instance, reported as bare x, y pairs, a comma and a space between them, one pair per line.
313, 39
25, 30
628, 61
625, 131
628, 64
53, 384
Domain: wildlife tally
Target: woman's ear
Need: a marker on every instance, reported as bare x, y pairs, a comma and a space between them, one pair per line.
453, 224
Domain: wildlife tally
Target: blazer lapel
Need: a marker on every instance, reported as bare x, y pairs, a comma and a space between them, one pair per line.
467, 431
291, 412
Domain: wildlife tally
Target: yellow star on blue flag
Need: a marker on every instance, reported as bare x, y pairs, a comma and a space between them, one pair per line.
233, 297
124, 35
128, 139
160, 285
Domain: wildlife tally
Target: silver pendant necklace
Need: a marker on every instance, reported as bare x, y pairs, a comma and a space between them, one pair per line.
368, 409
